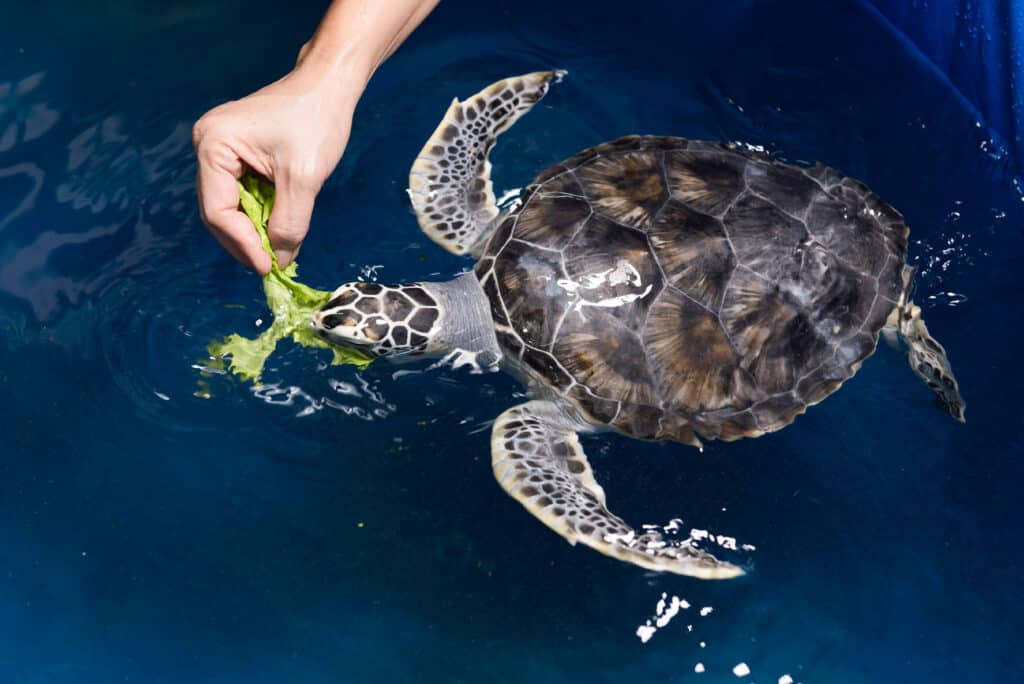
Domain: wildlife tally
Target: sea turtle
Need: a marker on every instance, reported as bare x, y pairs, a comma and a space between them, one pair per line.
664, 288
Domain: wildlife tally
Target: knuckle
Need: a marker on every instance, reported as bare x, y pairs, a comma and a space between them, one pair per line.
199, 131
209, 127
288, 236
305, 177
289, 245
209, 221
286, 231
203, 153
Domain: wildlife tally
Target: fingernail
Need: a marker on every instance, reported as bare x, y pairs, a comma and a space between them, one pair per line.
283, 257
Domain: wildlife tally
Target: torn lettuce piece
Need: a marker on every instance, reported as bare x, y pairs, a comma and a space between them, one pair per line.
291, 302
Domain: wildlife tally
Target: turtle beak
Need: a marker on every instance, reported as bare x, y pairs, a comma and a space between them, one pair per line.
317, 324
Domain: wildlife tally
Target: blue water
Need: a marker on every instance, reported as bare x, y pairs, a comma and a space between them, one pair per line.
339, 526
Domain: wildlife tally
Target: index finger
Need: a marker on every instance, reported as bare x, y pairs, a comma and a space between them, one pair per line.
218, 207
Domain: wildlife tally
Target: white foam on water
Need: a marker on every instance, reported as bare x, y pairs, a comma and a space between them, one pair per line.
673, 610
665, 611
725, 541
645, 632
369, 272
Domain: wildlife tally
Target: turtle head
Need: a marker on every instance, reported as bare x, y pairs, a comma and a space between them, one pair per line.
384, 320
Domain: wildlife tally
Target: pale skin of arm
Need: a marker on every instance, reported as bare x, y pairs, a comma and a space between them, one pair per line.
294, 131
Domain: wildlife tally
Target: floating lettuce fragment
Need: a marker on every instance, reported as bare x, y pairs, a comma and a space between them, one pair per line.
291, 302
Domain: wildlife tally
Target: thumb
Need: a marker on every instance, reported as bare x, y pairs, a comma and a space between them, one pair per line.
289, 221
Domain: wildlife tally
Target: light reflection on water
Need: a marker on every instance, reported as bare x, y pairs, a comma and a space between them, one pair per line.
377, 406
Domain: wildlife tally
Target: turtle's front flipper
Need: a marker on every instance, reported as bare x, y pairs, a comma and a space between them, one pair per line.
450, 181
537, 458
928, 359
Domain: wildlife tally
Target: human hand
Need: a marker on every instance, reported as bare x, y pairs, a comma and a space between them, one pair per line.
293, 132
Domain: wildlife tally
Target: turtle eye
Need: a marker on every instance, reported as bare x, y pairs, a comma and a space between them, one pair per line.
338, 320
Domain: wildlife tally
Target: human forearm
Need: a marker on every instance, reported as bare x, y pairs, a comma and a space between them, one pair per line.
356, 36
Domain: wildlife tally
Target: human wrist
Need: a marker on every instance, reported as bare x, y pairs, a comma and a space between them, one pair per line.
339, 73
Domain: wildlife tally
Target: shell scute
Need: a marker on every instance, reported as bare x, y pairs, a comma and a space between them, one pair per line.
705, 180
490, 288
692, 360
817, 385
843, 302
510, 342
727, 424
764, 237
603, 410
628, 187
550, 172
887, 296
777, 411
825, 175
502, 234
553, 213
526, 285
856, 238
625, 144
640, 420
551, 369
790, 189
675, 288
611, 267
604, 355
694, 252
775, 340
678, 427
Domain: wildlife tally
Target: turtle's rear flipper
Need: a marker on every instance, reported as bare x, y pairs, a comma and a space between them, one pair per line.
928, 360
537, 458
450, 181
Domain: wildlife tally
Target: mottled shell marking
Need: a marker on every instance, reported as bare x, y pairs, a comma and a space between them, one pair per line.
672, 287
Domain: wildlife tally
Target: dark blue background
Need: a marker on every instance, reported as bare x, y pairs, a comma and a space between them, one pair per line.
338, 526
977, 45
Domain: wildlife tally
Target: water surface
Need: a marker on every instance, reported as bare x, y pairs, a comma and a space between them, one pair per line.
344, 526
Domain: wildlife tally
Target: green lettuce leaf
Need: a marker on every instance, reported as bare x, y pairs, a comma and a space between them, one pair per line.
291, 302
